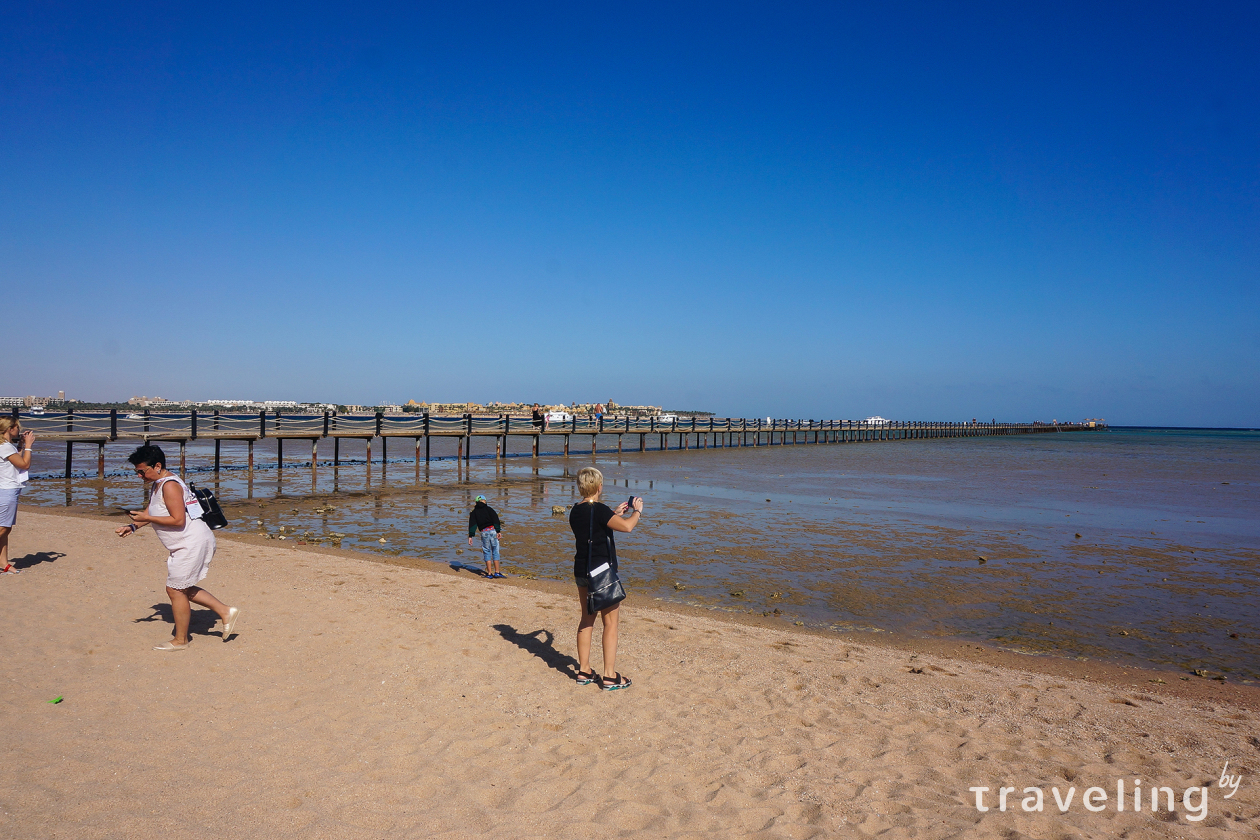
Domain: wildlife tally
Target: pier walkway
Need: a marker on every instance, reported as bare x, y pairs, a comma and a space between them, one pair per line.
101, 427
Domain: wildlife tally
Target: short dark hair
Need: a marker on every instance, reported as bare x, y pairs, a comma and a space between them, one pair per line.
148, 454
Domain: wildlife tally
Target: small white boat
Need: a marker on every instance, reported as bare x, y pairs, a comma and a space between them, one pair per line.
875, 421
135, 416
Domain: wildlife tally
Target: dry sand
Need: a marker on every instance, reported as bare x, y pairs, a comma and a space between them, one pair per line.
361, 700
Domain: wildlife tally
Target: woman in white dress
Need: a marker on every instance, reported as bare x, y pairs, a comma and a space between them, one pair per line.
175, 515
15, 460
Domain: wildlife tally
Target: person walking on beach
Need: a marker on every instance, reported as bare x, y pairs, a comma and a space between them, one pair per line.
175, 515
15, 460
483, 520
592, 523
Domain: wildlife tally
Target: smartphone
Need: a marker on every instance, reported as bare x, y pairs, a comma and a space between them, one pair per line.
630, 504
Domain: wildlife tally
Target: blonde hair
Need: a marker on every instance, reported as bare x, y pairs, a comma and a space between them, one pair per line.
7, 423
589, 481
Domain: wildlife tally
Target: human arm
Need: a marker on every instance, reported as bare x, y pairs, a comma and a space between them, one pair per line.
22, 459
173, 497
625, 524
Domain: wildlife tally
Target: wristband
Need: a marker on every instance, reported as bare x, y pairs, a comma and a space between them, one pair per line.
133, 527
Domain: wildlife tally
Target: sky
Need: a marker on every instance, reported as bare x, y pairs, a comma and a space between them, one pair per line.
923, 211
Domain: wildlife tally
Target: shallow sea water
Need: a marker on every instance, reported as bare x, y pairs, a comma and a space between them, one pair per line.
1133, 545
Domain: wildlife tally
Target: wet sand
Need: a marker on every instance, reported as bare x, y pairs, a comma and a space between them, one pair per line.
1137, 547
365, 699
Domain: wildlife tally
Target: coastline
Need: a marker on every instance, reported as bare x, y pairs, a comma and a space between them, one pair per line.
363, 697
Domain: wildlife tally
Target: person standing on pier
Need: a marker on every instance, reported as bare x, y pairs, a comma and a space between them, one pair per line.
483, 520
175, 515
539, 418
15, 460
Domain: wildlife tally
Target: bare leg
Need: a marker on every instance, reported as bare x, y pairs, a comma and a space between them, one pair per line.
4, 547
182, 611
181, 607
203, 598
611, 617
584, 632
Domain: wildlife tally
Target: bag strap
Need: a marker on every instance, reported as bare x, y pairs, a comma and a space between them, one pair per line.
590, 540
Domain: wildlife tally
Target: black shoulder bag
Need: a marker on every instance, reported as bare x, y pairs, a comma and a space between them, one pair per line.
211, 513
604, 588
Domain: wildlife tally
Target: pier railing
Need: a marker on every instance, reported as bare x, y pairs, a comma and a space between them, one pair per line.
101, 427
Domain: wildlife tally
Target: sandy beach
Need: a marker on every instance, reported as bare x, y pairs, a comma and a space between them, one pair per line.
366, 700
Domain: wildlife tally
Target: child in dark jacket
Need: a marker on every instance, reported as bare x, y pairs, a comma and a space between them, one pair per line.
483, 520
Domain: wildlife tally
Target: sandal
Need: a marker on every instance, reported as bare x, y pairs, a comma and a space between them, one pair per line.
586, 678
613, 685
10, 570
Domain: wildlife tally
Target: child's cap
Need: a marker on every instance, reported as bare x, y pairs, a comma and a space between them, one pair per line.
480, 499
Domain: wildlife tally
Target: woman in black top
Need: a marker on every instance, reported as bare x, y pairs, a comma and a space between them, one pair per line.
593, 523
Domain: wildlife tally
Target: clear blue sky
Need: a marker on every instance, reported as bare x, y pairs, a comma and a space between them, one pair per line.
925, 211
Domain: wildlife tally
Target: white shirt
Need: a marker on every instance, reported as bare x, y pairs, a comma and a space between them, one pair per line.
11, 478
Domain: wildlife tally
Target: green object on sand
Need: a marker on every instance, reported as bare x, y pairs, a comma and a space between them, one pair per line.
55, 700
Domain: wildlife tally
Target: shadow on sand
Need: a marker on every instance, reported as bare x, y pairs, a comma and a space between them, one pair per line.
201, 622
37, 558
539, 643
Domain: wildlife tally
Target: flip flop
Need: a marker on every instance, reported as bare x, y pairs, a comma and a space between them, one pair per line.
10, 570
229, 625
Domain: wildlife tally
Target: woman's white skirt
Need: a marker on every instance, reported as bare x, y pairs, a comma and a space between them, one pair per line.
189, 562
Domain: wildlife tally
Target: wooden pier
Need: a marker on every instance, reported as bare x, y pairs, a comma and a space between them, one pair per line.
100, 427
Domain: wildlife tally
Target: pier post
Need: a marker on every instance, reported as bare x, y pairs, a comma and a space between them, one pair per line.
594, 438
619, 443
459, 448
279, 453
314, 451
325, 422
181, 458
100, 459
336, 451
468, 448
369, 454
251, 458
642, 442
384, 450
217, 442
113, 423
426, 437
417, 453
193, 423
566, 445
146, 425
262, 423
69, 456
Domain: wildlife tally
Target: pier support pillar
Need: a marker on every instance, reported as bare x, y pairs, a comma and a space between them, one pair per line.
182, 460
70, 455
218, 446
251, 457
100, 459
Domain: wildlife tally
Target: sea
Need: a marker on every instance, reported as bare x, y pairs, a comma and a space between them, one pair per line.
1131, 545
